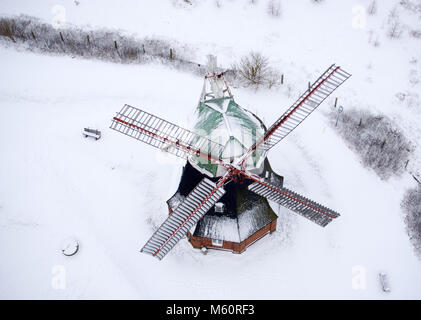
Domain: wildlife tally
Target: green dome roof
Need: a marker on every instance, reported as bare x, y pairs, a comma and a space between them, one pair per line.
236, 129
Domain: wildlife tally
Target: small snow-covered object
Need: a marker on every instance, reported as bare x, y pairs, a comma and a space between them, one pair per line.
219, 207
204, 250
69, 247
87, 132
384, 282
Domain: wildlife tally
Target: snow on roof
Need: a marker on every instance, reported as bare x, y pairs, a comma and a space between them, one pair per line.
252, 220
175, 200
238, 229
218, 228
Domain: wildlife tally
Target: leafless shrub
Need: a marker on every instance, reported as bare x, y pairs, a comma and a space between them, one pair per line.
380, 145
395, 30
400, 96
254, 70
273, 78
372, 8
395, 27
373, 38
414, 78
411, 204
274, 8
130, 53
289, 90
183, 3
232, 75
415, 34
409, 99
7, 29
413, 6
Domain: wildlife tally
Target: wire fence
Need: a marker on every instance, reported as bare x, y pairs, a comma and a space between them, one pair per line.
108, 45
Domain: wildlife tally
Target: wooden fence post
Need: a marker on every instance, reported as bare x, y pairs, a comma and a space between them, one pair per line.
61, 36
282, 78
115, 45
33, 35
87, 37
171, 54
336, 101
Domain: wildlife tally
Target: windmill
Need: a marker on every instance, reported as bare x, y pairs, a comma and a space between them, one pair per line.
220, 162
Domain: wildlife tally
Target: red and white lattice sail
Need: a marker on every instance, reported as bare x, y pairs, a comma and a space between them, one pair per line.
328, 82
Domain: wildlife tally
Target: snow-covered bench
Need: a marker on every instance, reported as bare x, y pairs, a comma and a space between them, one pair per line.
91, 133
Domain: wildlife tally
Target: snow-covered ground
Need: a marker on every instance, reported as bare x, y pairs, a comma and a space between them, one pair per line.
109, 193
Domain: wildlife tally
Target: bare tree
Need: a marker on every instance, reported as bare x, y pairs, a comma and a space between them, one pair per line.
254, 70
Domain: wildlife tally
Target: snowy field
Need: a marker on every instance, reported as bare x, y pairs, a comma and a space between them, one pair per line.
110, 193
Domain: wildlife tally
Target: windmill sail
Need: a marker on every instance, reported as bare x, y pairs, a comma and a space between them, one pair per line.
164, 135
295, 202
331, 79
188, 212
